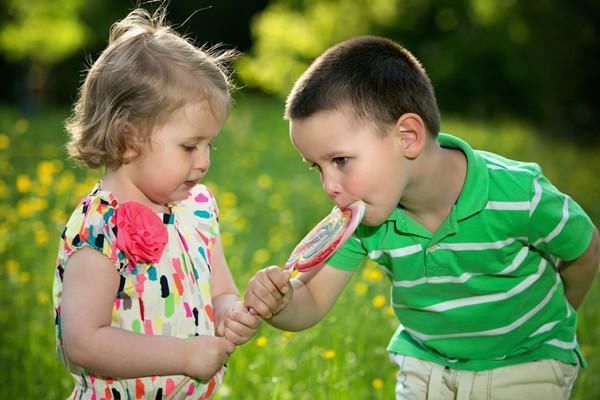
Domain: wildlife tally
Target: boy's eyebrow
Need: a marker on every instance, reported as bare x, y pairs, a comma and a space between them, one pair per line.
334, 154
328, 156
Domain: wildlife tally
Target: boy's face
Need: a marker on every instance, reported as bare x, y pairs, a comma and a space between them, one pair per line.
354, 160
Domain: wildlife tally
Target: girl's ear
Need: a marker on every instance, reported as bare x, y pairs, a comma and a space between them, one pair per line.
411, 132
132, 139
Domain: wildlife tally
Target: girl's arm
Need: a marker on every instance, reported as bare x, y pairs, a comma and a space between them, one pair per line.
311, 296
89, 287
578, 275
232, 319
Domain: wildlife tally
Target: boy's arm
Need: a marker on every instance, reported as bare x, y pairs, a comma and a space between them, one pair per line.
577, 275
312, 296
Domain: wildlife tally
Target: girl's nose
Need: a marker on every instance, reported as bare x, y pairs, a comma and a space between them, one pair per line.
202, 162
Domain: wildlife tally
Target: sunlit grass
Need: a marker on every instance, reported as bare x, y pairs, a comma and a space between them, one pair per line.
268, 200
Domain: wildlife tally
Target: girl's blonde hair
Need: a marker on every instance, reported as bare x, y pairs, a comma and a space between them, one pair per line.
146, 73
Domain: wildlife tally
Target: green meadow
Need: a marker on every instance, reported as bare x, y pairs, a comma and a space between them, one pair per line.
268, 200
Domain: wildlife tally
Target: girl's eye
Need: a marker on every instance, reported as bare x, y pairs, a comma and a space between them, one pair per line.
189, 148
340, 161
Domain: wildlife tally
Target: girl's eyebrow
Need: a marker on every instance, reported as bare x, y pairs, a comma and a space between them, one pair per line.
199, 137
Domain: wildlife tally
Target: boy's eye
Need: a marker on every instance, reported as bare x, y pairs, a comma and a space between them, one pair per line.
340, 161
189, 148
314, 167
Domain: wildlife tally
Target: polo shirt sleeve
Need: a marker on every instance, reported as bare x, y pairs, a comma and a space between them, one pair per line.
350, 256
557, 224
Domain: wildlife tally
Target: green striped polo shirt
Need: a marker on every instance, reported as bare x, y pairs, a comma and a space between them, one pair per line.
482, 291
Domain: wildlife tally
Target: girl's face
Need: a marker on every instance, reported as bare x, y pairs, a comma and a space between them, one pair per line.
354, 160
178, 155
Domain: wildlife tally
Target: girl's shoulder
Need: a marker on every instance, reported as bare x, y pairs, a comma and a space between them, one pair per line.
200, 210
201, 203
93, 224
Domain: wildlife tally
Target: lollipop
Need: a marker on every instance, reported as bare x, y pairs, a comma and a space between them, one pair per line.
326, 237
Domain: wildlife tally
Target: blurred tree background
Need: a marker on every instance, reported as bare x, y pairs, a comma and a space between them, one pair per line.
513, 77
535, 60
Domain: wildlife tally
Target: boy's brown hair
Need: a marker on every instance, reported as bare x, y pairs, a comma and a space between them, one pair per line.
371, 76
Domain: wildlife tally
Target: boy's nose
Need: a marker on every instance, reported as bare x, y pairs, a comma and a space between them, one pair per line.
331, 188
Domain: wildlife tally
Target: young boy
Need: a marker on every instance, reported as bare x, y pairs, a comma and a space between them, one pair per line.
488, 260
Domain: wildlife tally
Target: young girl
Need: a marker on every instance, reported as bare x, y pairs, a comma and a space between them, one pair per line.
145, 304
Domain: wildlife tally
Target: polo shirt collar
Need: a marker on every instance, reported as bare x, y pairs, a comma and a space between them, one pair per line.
473, 197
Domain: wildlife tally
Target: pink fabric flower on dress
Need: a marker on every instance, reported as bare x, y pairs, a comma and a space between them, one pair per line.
141, 234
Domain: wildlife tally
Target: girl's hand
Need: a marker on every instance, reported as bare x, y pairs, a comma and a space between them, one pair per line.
240, 325
206, 355
268, 292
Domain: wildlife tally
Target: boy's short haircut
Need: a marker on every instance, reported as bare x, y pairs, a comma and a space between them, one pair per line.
146, 72
374, 77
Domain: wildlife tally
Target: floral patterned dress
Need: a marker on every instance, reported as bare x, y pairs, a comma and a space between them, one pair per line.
170, 296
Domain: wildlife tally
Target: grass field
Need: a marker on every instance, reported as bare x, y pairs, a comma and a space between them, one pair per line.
268, 199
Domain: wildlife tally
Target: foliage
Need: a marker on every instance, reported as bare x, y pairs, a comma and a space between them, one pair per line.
485, 58
42, 32
268, 199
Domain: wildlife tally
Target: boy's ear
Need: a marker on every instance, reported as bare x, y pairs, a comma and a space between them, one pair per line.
411, 132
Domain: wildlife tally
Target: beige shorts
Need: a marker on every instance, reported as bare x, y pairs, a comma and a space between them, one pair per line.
423, 380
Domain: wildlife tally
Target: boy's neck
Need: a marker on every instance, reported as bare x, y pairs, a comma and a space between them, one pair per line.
436, 185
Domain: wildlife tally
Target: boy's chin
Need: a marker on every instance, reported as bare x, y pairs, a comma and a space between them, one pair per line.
375, 217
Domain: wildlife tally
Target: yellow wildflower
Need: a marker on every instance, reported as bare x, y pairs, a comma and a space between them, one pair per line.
24, 277
360, 288
24, 184
372, 274
12, 266
4, 141
227, 239
328, 354
42, 298
379, 301
41, 236
46, 170
262, 341
390, 311
3, 189
377, 383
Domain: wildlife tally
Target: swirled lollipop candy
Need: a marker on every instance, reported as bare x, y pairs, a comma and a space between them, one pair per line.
326, 237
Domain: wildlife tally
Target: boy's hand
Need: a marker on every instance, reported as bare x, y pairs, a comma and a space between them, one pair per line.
268, 292
239, 324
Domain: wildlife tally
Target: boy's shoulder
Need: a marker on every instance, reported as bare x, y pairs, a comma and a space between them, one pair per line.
508, 178
486, 169
497, 162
